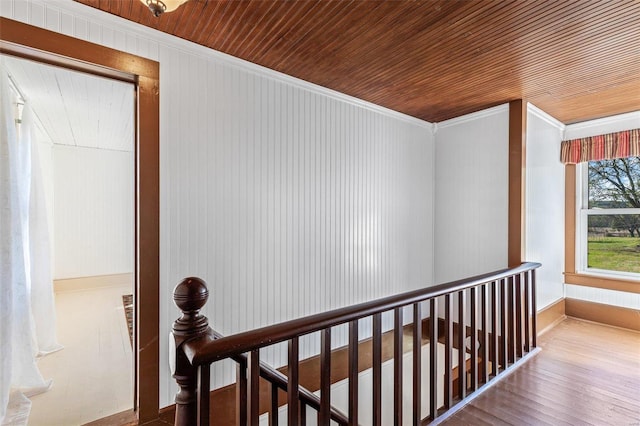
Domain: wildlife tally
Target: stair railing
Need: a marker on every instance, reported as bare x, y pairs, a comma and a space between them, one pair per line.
503, 301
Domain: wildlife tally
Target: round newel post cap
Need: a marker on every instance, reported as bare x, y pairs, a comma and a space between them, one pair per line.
191, 294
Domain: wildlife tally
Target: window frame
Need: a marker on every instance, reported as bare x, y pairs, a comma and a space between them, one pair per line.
574, 273
583, 213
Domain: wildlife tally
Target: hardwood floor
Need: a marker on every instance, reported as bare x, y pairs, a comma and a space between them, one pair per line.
586, 374
92, 375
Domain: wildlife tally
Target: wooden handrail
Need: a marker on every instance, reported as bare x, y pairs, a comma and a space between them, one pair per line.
190, 296
206, 351
277, 378
504, 300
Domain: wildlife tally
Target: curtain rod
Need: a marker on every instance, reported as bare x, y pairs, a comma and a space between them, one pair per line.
21, 97
13, 86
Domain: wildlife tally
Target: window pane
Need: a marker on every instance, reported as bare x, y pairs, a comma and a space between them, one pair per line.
614, 183
614, 242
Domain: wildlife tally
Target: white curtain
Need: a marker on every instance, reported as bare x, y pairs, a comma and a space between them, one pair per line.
26, 290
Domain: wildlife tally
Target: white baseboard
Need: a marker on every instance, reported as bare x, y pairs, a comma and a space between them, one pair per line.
88, 283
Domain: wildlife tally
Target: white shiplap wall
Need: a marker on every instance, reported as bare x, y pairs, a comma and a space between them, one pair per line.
602, 126
292, 202
285, 197
603, 296
93, 211
471, 204
545, 204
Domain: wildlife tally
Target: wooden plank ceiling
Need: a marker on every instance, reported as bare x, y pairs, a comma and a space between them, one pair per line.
74, 108
432, 59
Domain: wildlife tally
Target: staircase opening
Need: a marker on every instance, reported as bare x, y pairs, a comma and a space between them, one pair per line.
464, 334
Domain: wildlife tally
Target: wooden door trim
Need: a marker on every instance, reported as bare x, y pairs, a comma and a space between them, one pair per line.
27, 41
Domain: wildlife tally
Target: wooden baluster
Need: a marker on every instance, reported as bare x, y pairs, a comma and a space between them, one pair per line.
448, 357
190, 295
397, 365
518, 314
512, 316
462, 337
241, 392
353, 372
204, 377
495, 341
504, 308
527, 314
377, 369
273, 416
417, 371
254, 387
485, 334
293, 397
433, 355
534, 310
303, 414
324, 413
474, 340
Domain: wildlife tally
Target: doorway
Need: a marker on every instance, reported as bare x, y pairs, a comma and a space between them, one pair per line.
22, 40
82, 130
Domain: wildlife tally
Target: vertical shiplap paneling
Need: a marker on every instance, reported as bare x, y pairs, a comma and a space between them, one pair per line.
81, 28
52, 19
602, 126
21, 11
37, 14
603, 296
93, 212
545, 201
66, 24
7, 8
471, 194
287, 201
281, 211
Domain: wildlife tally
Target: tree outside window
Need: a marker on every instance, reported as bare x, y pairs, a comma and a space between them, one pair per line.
613, 215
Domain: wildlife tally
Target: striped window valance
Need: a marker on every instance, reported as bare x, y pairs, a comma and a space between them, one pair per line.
601, 147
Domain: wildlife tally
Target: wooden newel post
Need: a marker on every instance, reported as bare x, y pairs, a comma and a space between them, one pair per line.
190, 295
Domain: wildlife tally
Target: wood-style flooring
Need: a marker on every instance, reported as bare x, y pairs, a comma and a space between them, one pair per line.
586, 374
93, 374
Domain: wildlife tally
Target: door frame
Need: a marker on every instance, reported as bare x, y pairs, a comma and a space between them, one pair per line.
35, 43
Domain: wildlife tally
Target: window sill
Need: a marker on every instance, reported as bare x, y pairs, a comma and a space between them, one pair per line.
629, 285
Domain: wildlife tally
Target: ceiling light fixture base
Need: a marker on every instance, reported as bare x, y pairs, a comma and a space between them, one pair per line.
158, 7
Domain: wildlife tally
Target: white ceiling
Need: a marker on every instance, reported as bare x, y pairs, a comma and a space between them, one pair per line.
75, 108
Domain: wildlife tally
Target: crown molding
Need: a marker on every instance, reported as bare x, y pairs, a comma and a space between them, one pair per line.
534, 110
473, 116
614, 123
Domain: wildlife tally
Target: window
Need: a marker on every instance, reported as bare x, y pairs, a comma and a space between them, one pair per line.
608, 225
